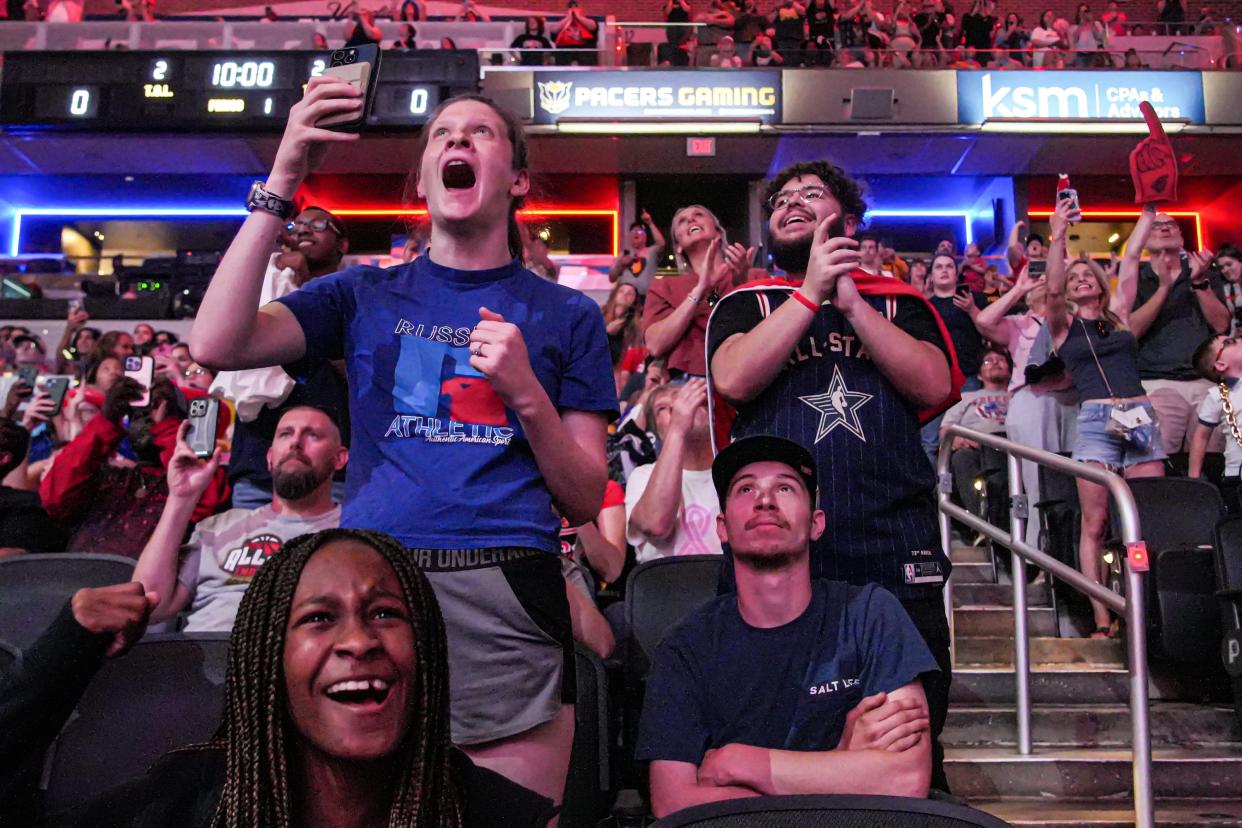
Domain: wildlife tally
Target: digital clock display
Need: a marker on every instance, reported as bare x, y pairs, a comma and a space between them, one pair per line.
202, 91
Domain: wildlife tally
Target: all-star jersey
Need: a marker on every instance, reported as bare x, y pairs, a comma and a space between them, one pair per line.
436, 459
875, 483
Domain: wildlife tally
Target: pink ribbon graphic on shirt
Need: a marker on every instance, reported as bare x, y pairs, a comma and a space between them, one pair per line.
695, 521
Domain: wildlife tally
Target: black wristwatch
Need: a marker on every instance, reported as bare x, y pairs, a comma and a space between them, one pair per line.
1202, 285
260, 199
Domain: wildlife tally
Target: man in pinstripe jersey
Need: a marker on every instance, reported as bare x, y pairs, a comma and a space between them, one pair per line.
848, 364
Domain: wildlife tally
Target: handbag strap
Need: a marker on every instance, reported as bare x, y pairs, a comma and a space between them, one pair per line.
1094, 356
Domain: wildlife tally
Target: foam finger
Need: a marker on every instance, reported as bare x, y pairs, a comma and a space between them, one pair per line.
1153, 121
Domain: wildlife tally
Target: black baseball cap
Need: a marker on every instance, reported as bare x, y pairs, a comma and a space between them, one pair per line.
759, 449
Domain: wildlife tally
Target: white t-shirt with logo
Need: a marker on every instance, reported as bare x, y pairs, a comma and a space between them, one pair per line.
696, 519
226, 550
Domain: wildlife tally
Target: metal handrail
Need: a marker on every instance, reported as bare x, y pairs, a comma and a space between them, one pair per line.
1131, 606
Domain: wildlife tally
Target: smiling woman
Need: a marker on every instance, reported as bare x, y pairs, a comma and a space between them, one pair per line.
336, 709
479, 394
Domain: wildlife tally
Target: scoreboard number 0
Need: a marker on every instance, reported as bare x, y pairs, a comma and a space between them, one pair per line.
80, 102
418, 102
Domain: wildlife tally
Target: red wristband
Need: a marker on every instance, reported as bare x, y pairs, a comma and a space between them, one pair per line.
806, 302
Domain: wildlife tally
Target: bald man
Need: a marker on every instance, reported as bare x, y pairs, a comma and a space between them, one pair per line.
1179, 304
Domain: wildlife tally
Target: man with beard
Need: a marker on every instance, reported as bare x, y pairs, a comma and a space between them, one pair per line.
109, 504
312, 246
849, 365
225, 551
838, 682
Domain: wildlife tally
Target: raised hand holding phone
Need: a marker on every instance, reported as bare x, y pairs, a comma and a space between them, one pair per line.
1153, 166
304, 141
141, 369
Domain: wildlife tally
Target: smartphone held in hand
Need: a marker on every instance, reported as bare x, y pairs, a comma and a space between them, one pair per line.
1067, 193
201, 435
141, 369
359, 66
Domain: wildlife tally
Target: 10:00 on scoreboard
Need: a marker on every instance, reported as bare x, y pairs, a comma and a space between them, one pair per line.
231, 91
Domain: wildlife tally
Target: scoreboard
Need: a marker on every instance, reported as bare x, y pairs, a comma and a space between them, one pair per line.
196, 91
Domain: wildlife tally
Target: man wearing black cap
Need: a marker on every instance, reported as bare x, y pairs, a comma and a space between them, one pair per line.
719, 723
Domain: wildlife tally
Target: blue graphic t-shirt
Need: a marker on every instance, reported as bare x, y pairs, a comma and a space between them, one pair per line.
436, 458
707, 689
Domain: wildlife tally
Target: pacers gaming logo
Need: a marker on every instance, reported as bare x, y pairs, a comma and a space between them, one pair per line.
554, 96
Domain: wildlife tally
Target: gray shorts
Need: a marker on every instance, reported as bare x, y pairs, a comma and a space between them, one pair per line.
510, 641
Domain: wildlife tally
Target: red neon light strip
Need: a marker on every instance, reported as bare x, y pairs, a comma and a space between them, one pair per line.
1135, 214
615, 215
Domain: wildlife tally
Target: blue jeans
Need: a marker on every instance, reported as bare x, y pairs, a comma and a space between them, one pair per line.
246, 495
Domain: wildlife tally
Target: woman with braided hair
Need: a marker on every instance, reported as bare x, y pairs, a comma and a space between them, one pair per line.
336, 706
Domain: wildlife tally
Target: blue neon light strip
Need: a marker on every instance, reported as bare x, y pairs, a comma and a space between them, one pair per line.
240, 212
960, 214
15, 237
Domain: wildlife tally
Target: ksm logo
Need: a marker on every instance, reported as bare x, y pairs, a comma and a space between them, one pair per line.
554, 96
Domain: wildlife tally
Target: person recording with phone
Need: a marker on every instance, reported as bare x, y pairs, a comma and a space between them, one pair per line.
480, 395
209, 573
1118, 427
111, 509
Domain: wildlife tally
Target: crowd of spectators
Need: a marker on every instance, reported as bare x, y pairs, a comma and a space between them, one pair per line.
509, 452
845, 34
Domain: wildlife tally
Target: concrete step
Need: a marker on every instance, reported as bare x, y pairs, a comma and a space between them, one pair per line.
1173, 724
1022, 813
997, 650
997, 595
998, 773
1057, 684
998, 621
972, 573
969, 554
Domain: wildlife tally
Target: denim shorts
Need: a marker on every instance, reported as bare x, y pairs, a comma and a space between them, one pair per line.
1096, 443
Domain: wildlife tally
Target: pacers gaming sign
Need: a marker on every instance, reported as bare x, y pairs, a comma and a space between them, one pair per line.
730, 94
1093, 94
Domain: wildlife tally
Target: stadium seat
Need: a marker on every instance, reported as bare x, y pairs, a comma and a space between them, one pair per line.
589, 779
658, 595
1177, 516
8, 656
166, 693
34, 589
1059, 515
1227, 540
837, 811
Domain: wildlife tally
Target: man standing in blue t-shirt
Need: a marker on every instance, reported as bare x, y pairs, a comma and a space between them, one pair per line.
836, 705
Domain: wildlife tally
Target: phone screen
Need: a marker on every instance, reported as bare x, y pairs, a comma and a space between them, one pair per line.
141, 369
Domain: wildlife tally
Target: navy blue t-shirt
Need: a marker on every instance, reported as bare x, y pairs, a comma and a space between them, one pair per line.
436, 459
875, 483
967, 341
708, 688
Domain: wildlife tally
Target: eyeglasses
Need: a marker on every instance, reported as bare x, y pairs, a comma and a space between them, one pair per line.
1164, 226
195, 372
813, 192
316, 225
1232, 340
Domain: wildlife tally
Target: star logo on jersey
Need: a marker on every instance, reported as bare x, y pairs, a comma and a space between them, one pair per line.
838, 407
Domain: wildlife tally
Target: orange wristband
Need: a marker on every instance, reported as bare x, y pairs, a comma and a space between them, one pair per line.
807, 303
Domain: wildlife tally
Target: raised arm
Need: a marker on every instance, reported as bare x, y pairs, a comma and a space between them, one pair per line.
658, 241
991, 320
1141, 318
1016, 251
654, 517
188, 478
228, 333
1056, 307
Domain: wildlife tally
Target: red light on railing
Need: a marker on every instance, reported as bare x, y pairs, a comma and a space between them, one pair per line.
1136, 554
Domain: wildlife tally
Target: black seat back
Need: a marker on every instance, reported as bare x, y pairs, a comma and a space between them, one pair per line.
1175, 511
34, 589
166, 693
8, 656
658, 595
589, 777
838, 811
1187, 606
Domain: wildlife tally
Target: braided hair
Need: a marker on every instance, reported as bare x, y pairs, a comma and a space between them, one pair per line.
255, 732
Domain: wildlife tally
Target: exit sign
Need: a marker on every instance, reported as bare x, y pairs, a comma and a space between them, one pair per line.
701, 147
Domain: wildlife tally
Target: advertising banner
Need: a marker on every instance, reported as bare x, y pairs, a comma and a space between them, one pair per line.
729, 94
1091, 94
